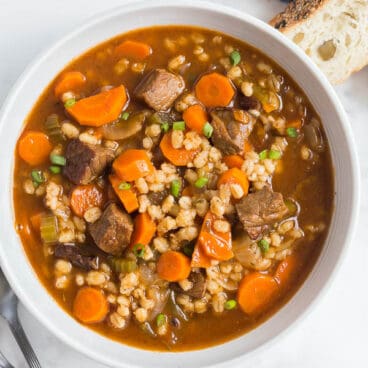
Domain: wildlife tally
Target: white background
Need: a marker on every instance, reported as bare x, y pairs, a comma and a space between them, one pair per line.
335, 334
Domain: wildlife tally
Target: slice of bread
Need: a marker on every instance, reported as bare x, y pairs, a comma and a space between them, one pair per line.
334, 33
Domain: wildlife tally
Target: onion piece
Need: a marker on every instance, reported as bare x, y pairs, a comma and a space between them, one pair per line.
160, 297
314, 136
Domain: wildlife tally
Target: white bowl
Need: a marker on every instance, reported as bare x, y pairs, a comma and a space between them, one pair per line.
33, 81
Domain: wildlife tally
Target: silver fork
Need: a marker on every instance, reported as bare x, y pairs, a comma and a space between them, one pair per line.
8, 309
4, 362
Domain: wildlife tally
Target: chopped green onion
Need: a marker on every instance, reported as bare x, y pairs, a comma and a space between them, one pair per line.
123, 265
124, 186
37, 177
188, 249
165, 127
49, 229
160, 320
58, 160
201, 182
55, 169
264, 245
230, 304
207, 130
235, 57
291, 132
70, 102
125, 115
263, 155
138, 250
179, 125
274, 154
175, 188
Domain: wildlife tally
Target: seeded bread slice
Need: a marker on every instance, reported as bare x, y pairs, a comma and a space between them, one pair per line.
334, 33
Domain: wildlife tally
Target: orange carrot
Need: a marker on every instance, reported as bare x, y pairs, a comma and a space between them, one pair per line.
179, 157
34, 147
144, 229
234, 176
297, 124
36, 221
214, 90
247, 146
99, 109
195, 118
187, 191
200, 258
255, 292
173, 266
127, 196
84, 197
90, 305
286, 270
233, 161
133, 49
69, 81
133, 164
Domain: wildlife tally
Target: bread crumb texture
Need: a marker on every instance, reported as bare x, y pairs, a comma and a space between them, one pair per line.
334, 33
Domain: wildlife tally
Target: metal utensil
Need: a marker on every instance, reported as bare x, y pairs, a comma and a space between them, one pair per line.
8, 309
4, 362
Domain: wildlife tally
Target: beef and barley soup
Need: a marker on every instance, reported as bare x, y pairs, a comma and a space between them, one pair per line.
172, 188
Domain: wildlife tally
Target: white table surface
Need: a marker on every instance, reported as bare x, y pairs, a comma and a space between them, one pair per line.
335, 334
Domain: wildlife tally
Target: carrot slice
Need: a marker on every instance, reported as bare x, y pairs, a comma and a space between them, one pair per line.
297, 124
173, 266
247, 146
233, 161
214, 90
144, 229
99, 109
286, 270
127, 196
84, 197
234, 176
69, 81
255, 292
179, 157
133, 49
90, 305
34, 148
36, 221
133, 164
195, 117
200, 258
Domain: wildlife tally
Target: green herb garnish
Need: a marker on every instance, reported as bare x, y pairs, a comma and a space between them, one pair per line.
124, 186
175, 188
179, 125
230, 304
264, 245
70, 102
201, 182
291, 132
58, 160
207, 130
235, 57
138, 250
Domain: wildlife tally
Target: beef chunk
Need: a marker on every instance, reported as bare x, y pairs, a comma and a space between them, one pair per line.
199, 285
77, 256
113, 230
258, 210
231, 127
160, 88
249, 103
85, 162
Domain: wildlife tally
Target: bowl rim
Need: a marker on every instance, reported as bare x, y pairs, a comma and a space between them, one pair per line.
262, 27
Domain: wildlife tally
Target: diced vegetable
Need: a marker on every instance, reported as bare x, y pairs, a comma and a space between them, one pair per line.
200, 258
36, 221
175, 188
49, 228
161, 319
214, 90
165, 127
133, 49
292, 206
58, 160
178, 157
70, 102
263, 155
201, 182
233, 161
179, 125
270, 100
175, 310
84, 197
147, 328
287, 270
255, 292
195, 117
124, 186
133, 164
144, 229
37, 177
188, 249
274, 154
125, 115
34, 147
53, 129
173, 266
127, 197
235, 57
69, 82
314, 136
264, 245
100, 109
90, 305
123, 265
207, 130
291, 132
234, 176
230, 304
139, 250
